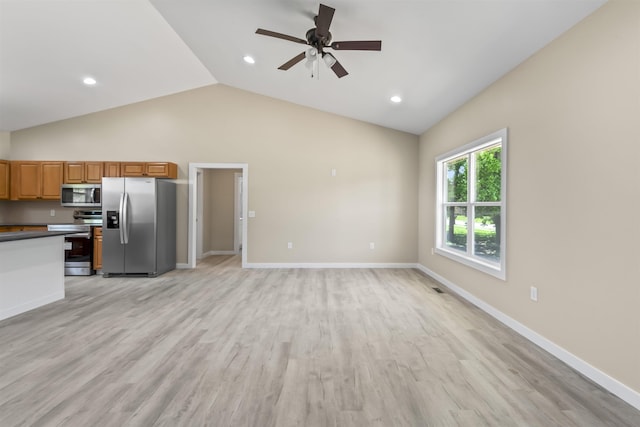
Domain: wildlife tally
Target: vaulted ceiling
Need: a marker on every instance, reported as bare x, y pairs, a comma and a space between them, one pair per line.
436, 54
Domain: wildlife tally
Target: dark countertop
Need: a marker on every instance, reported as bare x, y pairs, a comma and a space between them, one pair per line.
22, 235
30, 224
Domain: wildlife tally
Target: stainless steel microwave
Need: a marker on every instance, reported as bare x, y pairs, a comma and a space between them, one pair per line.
81, 195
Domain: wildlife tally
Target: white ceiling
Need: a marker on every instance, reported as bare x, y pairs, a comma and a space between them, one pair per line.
436, 54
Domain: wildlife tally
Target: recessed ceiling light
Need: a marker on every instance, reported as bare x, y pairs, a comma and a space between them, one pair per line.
396, 99
89, 81
249, 60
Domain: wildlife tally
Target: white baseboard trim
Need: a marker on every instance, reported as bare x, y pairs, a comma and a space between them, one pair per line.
329, 265
182, 266
614, 386
206, 254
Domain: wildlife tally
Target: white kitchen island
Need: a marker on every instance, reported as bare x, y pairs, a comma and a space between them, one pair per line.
31, 270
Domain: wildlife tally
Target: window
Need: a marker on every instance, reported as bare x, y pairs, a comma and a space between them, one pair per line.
471, 205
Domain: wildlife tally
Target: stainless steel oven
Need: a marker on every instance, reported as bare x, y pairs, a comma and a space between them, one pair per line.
78, 248
78, 242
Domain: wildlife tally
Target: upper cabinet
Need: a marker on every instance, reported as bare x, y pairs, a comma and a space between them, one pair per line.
92, 172
36, 180
151, 169
4, 180
111, 169
41, 180
83, 172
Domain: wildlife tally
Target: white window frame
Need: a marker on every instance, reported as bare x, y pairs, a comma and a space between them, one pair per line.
495, 269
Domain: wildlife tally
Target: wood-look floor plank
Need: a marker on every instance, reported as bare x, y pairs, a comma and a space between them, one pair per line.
222, 346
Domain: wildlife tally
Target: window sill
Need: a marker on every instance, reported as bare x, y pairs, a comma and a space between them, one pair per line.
474, 263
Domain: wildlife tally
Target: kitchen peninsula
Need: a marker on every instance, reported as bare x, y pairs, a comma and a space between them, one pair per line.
31, 270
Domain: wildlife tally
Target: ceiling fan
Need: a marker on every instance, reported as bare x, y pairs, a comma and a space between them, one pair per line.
319, 38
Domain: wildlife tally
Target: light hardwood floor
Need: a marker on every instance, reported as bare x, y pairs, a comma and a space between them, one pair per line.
222, 346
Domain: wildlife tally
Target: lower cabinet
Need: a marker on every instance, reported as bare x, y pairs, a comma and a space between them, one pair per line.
33, 228
97, 248
12, 228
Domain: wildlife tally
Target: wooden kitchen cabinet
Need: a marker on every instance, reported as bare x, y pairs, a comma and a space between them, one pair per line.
51, 180
83, 172
25, 180
97, 248
4, 180
93, 172
36, 180
111, 169
11, 228
73, 172
33, 228
151, 169
132, 168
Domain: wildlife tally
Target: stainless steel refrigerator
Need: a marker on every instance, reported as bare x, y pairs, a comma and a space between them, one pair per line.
139, 226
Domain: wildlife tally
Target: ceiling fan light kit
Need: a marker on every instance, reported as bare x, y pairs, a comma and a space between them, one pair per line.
319, 38
329, 59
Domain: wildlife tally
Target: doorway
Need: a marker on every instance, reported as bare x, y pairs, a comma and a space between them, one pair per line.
195, 206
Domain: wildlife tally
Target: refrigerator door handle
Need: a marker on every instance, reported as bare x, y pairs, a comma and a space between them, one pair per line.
125, 218
120, 212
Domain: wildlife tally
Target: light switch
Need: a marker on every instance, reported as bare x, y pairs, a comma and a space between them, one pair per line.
252, 214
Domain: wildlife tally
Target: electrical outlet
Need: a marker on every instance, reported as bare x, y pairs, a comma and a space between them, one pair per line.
534, 294
52, 212
372, 245
289, 245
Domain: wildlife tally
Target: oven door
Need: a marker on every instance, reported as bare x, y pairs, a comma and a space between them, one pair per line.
78, 253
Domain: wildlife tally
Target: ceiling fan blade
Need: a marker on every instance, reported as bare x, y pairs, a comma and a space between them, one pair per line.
323, 20
280, 36
339, 70
293, 61
358, 45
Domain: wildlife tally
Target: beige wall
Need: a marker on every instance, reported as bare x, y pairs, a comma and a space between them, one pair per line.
219, 208
573, 114
290, 151
5, 145
34, 212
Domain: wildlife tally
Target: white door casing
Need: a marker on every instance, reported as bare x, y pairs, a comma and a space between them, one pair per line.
193, 206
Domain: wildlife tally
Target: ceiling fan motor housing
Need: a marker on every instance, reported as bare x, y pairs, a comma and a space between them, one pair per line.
318, 42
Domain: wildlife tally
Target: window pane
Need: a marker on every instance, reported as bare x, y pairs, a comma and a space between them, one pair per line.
456, 227
456, 171
488, 174
486, 232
